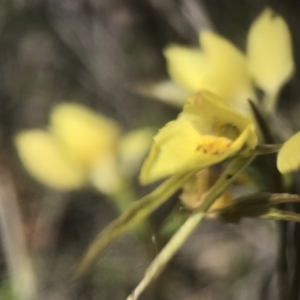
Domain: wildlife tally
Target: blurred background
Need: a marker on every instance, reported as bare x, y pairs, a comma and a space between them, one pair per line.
94, 52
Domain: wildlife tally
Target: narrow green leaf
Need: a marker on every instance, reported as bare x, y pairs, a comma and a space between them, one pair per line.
135, 213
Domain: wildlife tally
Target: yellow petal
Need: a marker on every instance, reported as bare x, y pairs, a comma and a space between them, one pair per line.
288, 158
185, 66
226, 70
45, 161
106, 177
166, 91
175, 150
220, 68
86, 137
269, 52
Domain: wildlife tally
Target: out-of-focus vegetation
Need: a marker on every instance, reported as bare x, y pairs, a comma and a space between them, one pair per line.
98, 54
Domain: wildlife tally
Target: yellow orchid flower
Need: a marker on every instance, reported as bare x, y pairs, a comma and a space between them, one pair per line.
205, 133
81, 147
219, 67
269, 54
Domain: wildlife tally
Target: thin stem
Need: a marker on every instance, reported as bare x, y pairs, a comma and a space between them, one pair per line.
261, 150
17, 257
269, 102
294, 288
167, 253
137, 212
45, 233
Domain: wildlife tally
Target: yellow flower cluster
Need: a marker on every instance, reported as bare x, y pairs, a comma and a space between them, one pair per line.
210, 129
81, 147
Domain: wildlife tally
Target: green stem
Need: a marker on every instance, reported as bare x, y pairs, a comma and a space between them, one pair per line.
137, 212
261, 150
270, 101
167, 253
122, 201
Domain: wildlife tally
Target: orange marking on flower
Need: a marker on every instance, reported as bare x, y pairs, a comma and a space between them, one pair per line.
198, 148
214, 145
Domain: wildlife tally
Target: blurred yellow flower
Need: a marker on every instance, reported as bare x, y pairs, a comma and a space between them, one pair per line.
81, 147
220, 67
205, 133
